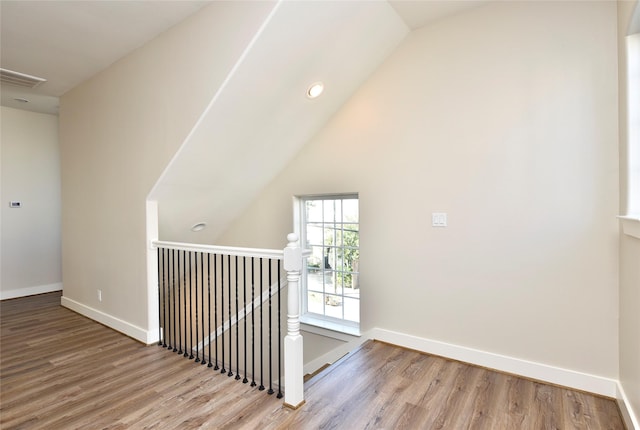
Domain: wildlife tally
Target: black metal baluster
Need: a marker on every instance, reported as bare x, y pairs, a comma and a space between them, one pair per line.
223, 370
187, 316
261, 387
279, 337
179, 303
159, 297
196, 307
176, 286
215, 306
253, 325
229, 313
167, 303
173, 289
190, 307
244, 289
203, 361
237, 326
163, 340
209, 303
270, 391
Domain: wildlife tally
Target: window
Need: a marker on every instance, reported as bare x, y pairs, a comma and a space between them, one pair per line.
631, 220
633, 106
329, 227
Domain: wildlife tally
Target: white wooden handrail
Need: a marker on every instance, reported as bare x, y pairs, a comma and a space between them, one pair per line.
226, 250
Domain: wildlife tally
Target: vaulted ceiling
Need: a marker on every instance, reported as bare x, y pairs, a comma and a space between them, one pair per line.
67, 42
252, 127
260, 117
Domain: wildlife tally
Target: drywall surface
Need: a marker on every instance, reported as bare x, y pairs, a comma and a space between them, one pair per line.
30, 238
118, 131
504, 117
630, 320
628, 13
261, 115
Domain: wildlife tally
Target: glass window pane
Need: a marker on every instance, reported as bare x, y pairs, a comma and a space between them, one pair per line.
350, 208
314, 234
315, 302
313, 210
351, 309
330, 258
315, 261
333, 306
331, 231
315, 281
329, 234
355, 281
331, 210
351, 233
329, 280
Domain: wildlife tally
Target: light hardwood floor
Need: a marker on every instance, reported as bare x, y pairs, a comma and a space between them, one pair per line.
59, 370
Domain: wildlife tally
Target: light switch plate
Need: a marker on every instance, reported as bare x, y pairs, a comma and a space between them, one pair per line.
439, 219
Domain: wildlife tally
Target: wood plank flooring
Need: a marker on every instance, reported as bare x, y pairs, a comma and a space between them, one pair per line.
59, 370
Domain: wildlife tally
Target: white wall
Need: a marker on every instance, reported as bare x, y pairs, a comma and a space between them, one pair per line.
505, 117
261, 117
118, 131
629, 327
30, 238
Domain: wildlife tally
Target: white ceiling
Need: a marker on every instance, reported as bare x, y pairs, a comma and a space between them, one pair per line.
419, 13
66, 42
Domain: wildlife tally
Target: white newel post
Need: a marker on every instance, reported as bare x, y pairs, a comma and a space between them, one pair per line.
293, 360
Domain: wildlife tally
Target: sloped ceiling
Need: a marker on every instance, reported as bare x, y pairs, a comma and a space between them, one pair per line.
258, 119
67, 42
260, 116
419, 13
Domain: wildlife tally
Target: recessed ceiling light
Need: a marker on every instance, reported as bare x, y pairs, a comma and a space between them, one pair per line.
21, 100
199, 226
315, 90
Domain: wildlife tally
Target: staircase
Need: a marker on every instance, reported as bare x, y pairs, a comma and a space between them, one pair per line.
223, 308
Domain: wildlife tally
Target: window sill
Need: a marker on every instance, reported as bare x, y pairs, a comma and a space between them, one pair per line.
330, 329
630, 225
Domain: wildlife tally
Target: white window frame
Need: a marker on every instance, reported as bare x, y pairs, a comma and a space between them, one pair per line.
631, 219
313, 322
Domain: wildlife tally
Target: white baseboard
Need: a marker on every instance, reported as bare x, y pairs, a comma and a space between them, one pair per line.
542, 372
135, 332
628, 415
30, 291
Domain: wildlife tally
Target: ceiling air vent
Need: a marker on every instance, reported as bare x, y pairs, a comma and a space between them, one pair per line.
19, 79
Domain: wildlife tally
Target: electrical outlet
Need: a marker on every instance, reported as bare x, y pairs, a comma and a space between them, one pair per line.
99, 295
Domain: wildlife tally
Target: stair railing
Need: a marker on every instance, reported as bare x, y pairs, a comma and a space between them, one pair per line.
221, 306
